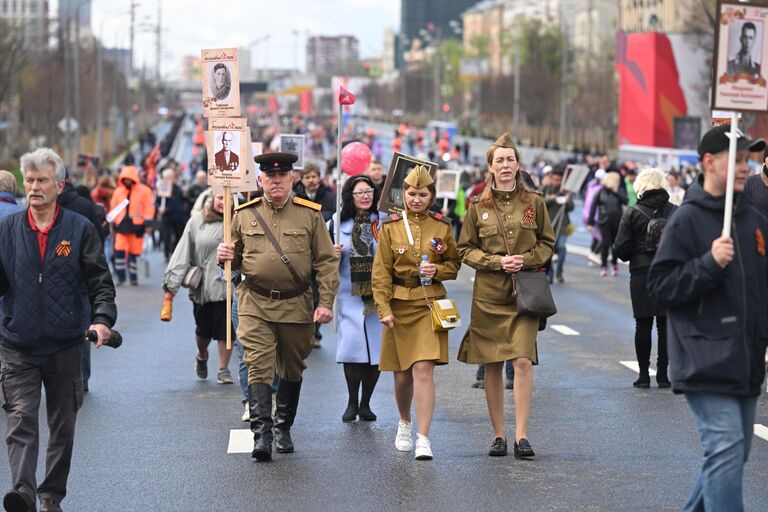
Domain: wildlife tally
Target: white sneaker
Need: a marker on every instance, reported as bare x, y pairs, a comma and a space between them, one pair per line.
246, 414
403, 441
423, 448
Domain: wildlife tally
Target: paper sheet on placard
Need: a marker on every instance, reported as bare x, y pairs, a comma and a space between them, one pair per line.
117, 209
251, 182
294, 144
226, 140
220, 75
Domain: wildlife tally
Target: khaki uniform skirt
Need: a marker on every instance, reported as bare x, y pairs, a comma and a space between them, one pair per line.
412, 338
497, 333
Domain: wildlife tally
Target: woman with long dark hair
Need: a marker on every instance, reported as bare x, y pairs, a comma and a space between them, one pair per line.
507, 230
359, 327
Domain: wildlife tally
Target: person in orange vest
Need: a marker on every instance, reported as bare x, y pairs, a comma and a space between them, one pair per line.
131, 223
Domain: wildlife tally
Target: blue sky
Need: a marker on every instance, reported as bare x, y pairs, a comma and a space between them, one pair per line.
191, 25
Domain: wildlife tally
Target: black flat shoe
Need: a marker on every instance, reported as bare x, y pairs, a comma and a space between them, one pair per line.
498, 448
523, 449
17, 501
366, 414
350, 414
644, 382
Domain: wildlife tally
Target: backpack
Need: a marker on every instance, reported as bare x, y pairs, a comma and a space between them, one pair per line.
657, 221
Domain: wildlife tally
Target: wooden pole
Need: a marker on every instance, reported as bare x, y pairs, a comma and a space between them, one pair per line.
228, 263
734, 135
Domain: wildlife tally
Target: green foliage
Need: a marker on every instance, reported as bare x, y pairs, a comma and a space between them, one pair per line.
541, 44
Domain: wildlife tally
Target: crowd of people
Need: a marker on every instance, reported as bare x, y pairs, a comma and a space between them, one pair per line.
388, 273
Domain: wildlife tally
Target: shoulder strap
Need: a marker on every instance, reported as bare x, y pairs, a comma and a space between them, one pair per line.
641, 209
271, 237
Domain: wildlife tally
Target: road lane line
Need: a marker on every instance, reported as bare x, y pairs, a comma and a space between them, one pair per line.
632, 365
564, 330
240, 441
761, 431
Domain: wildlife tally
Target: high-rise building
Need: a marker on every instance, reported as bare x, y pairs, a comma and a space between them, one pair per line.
331, 54
31, 16
669, 16
416, 15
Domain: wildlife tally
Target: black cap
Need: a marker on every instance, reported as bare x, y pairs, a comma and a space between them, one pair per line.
276, 162
716, 140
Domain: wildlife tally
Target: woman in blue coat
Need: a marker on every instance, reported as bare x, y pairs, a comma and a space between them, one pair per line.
359, 339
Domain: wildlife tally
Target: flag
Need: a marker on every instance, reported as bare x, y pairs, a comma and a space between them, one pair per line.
346, 97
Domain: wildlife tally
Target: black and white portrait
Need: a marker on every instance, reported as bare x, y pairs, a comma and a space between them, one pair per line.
220, 80
745, 43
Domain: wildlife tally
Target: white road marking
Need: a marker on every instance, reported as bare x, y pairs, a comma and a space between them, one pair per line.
584, 251
564, 330
761, 431
240, 441
632, 365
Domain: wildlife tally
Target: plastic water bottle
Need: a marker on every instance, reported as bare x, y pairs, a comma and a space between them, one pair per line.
425, 281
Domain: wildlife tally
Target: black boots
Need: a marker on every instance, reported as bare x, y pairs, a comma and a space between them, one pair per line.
260, 404
287, 403
661, 377
644, 381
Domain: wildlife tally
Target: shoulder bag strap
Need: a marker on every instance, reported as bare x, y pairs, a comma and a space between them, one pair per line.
271, 237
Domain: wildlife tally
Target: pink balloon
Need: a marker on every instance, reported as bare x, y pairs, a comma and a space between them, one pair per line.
355, 158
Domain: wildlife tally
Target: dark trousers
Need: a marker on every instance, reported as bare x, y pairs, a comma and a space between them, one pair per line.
608, 233
123, 262
171, 232
509, 371
21, 376
643, 328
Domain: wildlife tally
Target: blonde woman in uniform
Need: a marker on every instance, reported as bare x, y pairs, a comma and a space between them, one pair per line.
506, 230
409, 346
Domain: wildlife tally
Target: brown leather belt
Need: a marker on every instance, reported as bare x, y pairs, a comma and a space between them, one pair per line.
408, 283
276, 294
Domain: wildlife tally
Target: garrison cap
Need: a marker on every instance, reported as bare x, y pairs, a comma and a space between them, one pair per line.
419, 177
276, 162
505, 141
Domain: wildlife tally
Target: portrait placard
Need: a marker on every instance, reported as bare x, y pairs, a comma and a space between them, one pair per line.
739, 80
251, 181
574, 178
392, 194
447, 184
221, 82
293, 144
227, 139
163, 188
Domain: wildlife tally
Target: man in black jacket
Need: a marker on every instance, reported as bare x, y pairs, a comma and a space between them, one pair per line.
71, 200
51, 263
715, 288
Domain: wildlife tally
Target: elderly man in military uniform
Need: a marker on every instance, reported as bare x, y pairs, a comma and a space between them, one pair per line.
277, 242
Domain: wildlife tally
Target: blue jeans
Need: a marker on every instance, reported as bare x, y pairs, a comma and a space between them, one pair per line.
242, 372
561, 252
725, 424
509, 370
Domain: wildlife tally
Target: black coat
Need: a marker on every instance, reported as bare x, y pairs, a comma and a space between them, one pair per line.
72, 201
717, 326
610, 204
630, 246
324, 197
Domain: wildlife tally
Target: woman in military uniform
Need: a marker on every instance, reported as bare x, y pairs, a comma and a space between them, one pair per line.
409, 346
506, 230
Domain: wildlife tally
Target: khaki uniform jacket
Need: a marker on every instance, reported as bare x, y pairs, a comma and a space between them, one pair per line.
527, 228
299, 229
395, 259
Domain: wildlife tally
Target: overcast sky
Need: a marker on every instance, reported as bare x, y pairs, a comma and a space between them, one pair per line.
191, 25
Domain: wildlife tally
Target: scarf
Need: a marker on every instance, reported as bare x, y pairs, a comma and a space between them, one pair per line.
361, 260
211, 215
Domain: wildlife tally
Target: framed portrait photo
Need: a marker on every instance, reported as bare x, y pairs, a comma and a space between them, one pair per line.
293, 144
228, 143
741, 46
221, 82
447, 184
392, 194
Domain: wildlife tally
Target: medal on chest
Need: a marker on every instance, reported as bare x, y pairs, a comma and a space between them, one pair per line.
401, 250
485, 216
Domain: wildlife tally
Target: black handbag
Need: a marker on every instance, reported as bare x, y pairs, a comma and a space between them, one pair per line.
534, 297
531, 288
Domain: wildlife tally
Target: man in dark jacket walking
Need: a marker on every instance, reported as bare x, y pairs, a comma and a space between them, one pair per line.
51, 263
715, 288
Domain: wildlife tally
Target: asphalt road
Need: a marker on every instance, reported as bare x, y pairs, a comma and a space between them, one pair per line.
152, 437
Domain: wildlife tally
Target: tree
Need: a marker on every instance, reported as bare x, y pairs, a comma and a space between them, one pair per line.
11, 46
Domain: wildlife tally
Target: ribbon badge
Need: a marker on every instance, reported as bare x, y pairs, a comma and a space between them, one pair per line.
529, 215
760, 241
64, 248
437, 246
